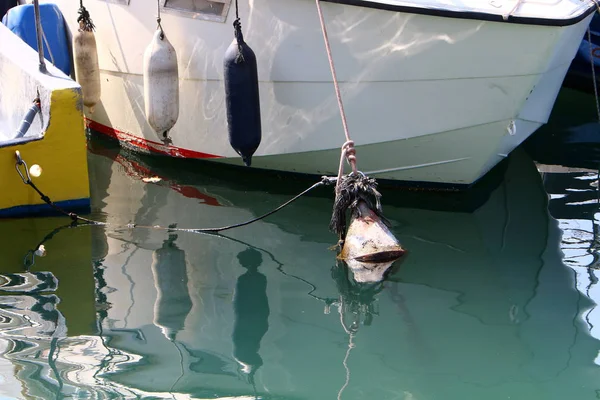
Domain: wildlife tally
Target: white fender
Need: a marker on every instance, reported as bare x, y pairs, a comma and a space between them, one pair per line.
161, 85
87, 70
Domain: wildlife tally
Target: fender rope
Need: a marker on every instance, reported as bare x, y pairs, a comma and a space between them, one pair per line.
84, 19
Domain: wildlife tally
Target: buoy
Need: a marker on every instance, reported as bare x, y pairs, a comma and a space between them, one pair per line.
242, 97
41, 251
87, 70
369, 247
161, 85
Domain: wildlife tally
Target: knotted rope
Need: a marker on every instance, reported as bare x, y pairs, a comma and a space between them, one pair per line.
84, 19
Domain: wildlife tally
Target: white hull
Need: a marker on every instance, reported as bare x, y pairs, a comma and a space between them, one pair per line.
428, 98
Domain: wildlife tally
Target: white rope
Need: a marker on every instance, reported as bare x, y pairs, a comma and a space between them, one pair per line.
348, 151
345, 363
48, 47
511, 12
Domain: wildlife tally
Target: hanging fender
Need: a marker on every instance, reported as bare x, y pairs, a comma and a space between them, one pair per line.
242, 97
161, 85
87, 70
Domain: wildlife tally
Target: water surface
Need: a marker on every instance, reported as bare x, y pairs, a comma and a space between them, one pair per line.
495, 299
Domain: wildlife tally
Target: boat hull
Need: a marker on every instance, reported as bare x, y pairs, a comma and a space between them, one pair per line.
428, 98
55, 140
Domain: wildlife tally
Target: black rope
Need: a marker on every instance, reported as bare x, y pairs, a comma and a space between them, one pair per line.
75, 217
29, 259
27, 180
71, 215
84, 19
239, 36
158, 21
324, 181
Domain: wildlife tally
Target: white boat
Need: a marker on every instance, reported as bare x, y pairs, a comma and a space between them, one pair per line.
436, 91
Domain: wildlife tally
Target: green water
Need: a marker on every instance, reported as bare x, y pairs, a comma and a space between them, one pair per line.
495, 299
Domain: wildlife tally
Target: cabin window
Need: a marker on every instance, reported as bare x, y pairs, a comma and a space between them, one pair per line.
215, 10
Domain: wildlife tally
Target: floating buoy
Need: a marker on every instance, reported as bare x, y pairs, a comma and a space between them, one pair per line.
87, 69
369, 247
242, 97
161, 85
41, 251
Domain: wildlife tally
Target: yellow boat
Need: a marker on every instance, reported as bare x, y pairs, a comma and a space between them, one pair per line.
53, 145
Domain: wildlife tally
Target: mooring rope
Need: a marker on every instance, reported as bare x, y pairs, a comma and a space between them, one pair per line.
29, 259
351, 345
589, 35
26, 178
348, 151
512, 10
594, 80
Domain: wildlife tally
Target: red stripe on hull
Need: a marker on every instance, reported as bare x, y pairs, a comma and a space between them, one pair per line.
145, 144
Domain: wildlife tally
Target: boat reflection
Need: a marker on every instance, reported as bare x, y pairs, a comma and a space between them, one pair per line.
482, 307
575, 203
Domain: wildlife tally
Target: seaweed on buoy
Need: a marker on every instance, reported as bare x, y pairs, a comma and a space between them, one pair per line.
368, 247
